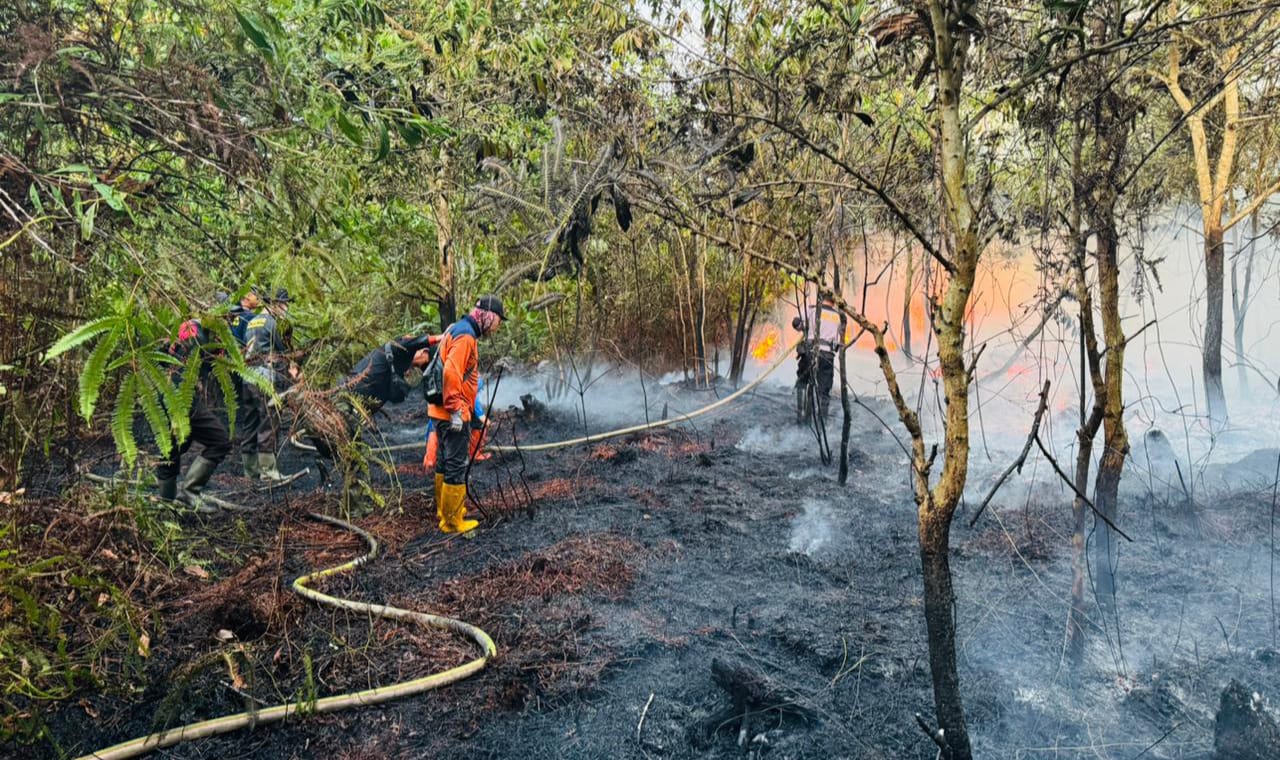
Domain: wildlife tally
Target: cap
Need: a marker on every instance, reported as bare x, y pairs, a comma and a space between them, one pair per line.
491, 303
281, 296
221, 297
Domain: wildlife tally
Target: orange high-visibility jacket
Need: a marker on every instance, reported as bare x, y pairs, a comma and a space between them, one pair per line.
460, 356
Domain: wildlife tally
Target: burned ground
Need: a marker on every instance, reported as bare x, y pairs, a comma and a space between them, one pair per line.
611, 576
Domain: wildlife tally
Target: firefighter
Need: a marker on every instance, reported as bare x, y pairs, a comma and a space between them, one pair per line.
206, 427
265, 349
815, 366
380, 377
459, 357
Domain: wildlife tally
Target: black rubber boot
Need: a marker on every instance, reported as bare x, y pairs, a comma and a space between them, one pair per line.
250, 462
197, 478
168, 488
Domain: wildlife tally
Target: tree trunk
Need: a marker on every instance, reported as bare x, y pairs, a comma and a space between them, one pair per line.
1115, 441
937, 506
1213, 271
847, 422
444, 250
939, 616
1240, 295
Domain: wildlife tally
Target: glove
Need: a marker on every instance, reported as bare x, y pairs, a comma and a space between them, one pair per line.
455, 421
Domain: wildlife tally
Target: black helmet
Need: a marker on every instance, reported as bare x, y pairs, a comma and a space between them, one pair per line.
491, 303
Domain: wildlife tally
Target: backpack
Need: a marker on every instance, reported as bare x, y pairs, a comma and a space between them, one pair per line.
433, 378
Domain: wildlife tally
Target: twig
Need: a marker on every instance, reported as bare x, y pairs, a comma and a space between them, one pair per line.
643, 713
1022, 458
1153, 744
1054, 463
939, 736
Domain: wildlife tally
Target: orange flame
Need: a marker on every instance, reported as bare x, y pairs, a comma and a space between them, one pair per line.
766, 347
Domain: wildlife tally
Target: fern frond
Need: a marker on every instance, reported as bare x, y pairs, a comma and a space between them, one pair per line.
151, 397
80, 335
94, 372
222, 374
180, 412
122, 420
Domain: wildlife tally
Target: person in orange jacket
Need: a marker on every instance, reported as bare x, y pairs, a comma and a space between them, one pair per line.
459, 356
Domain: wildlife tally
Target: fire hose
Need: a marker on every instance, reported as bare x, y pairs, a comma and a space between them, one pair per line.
250, 718
298, 443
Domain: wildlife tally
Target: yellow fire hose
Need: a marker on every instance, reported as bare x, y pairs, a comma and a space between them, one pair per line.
298, 443
251, 718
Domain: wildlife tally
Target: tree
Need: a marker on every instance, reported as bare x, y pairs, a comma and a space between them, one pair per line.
1206, 63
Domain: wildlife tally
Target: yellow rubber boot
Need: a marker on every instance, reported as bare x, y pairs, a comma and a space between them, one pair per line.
440, 513
455, 506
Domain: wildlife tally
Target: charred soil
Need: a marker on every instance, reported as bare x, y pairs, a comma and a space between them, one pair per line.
706, 591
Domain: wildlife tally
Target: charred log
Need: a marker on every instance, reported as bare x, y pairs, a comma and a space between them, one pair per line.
1243, 730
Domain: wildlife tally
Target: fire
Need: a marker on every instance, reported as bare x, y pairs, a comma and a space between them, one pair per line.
766, 347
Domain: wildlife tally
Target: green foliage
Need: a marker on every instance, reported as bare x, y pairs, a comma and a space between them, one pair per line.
44, 656
131, 354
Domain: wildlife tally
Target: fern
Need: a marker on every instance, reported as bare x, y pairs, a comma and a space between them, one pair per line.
122, 420
222, 374
94, 372
151, 397
81, 335
180, 412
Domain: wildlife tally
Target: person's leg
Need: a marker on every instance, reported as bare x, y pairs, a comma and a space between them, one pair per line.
454, 447
249, 422
207, 430
167, 470
826, 375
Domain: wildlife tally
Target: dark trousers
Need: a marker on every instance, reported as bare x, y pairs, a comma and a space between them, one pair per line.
818, 367
454, 452
208, 430
257, 425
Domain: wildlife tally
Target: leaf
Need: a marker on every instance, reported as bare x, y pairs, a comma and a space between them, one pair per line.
384, 142
122, 420
144, 645
223, 375
865, 118
93, 373
350, 129
195, 571
86, 221
180, 412
410, 133
109, 194
149, 397
80, 335
74, 169
34, 195
256, 34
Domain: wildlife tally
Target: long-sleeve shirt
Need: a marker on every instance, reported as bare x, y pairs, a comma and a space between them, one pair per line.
460, 356
263, 340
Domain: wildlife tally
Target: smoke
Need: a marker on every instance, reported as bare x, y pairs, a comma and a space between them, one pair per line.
813, 529
788, 439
